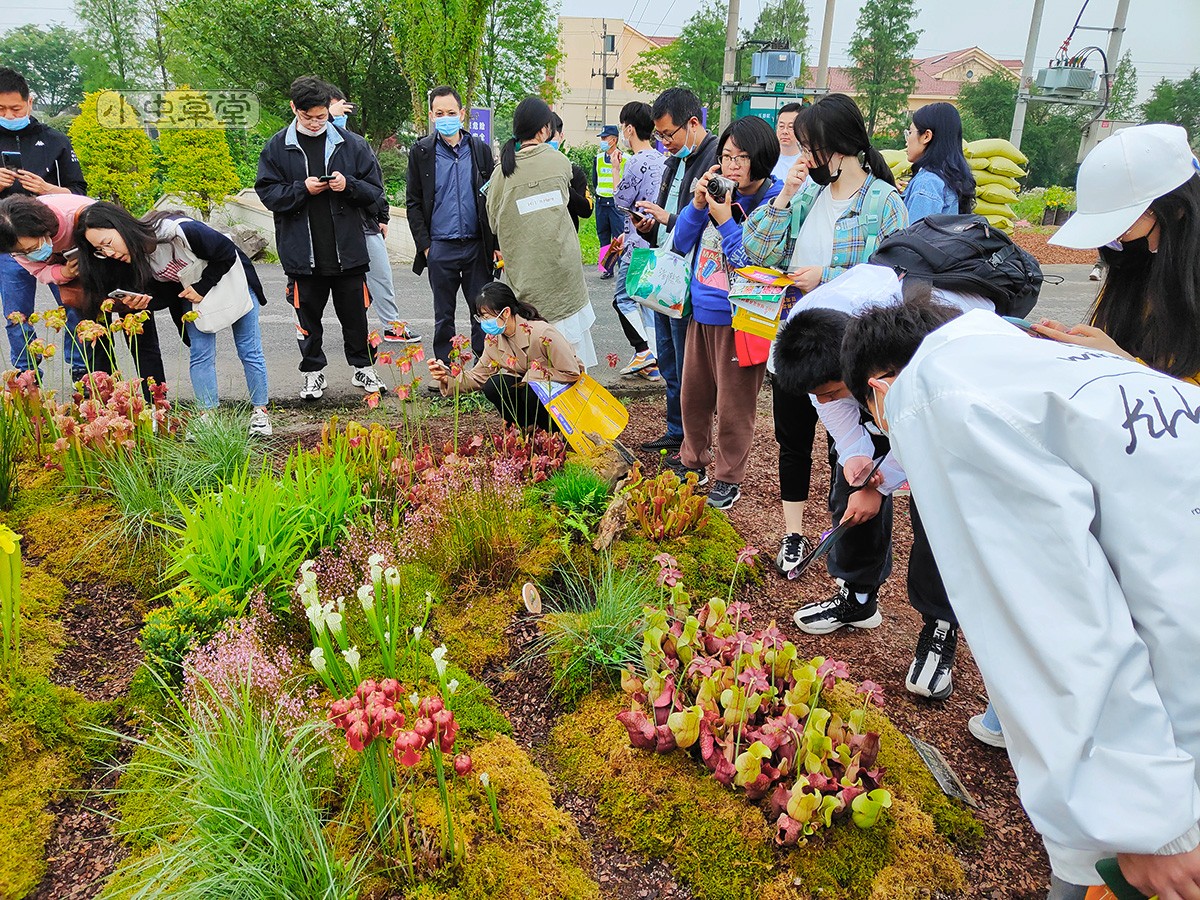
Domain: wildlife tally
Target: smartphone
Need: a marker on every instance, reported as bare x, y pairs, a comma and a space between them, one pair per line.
632, 213
12, 159
70, 254
1025, 325
119, 294
326, 178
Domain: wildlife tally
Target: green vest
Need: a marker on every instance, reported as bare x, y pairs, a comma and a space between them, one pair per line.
604, 176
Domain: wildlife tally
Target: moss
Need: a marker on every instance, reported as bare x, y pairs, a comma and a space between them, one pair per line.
42, 634
668, 807
25, 825
146, 800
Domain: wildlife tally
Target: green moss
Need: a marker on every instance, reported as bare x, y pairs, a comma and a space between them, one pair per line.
146, 798
667, 806
25, 825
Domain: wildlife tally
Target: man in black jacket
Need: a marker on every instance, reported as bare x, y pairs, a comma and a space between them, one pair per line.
693, 152
37, 160
321, 182
447, 215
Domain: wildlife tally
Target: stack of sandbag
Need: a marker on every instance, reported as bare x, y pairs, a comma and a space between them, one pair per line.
897, 161
996, 165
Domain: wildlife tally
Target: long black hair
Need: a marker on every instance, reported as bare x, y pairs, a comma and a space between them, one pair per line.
496, 295
141, 236
531, 116
834, 124
1150, 302
944, 155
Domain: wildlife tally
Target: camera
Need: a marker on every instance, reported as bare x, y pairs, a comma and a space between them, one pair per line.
720, 187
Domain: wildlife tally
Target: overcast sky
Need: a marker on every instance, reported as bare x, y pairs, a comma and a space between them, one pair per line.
1164, 35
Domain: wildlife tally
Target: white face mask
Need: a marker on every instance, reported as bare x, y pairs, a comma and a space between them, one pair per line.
879, 411
303, 129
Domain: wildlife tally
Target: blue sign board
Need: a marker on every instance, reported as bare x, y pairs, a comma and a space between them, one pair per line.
481, 124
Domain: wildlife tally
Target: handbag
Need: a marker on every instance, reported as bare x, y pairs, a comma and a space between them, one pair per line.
226, 301
751, 349
660, 280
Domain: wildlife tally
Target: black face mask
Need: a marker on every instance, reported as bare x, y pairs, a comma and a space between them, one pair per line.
822, 176
1133, 254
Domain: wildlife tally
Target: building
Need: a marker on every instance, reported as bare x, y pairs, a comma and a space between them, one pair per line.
579, 74
939, 78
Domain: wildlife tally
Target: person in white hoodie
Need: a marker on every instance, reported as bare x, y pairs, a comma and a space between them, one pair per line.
1062, 501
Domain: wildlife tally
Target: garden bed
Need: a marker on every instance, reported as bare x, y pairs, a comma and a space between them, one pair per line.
233, 629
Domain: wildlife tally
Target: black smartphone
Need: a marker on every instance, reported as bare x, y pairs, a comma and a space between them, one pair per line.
12, 159
326, 178
70, 253
632, 213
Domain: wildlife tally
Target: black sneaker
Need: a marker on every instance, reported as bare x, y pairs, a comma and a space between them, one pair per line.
666, 442
929, 675
842, 609
677, 466
793, 548
723, 495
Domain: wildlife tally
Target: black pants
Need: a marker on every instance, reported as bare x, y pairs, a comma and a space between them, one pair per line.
926, 592
310, 293
863, 556
795, 428
517, 403
147, 355
454, 264
609, 222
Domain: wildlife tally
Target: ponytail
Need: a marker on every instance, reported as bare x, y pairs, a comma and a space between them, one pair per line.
529, 118
496, 295
878, 166
508, 157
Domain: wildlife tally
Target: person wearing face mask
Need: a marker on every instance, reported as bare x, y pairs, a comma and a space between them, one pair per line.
838, 201
48, 167
37, 231
692, 152
319, 181
519, 347
527, 206
607, 171
447, 215
580, 205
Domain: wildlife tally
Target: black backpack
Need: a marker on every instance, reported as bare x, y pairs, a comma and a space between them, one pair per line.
967, 254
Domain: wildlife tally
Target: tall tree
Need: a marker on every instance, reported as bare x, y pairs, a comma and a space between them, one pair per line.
43, 56
438, 42
1177, 103
197, 166
1122, 98
694, 61
882, 49
347, 44
520, 47
117, 31
987, 105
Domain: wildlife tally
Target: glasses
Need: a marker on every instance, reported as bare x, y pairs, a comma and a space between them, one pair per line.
666, 136
738, 159
103, 251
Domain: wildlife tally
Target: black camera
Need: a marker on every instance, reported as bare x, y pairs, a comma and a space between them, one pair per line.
720, 187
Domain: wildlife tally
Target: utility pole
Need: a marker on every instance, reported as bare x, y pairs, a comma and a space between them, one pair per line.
729, 77
608, 47
1035, 26
823, 60
1114, 39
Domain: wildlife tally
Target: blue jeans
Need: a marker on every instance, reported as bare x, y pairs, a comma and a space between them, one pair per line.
669, 338
379, 282
991, 721
18, 289
203, 365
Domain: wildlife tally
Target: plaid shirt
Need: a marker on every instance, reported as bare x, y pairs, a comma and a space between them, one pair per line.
769, 241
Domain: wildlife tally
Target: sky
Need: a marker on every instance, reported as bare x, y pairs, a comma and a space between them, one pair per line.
1164, 35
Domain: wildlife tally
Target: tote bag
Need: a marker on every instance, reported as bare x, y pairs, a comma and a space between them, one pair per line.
659, 280
226, 302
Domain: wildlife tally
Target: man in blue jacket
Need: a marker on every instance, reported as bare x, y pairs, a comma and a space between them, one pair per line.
321, 181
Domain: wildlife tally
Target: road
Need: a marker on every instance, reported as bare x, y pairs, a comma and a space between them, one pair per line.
1067, 302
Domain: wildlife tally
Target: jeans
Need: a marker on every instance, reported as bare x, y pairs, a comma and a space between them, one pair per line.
637, 321
18, 289
379, 282
670, 336
991, 721
203, 365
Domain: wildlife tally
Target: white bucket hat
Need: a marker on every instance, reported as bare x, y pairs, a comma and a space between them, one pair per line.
1119, 180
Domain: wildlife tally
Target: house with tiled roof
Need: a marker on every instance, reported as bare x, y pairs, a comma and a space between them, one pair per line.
939, 77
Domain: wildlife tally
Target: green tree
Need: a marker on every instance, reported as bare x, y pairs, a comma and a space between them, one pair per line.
347, 44
987, 106
116, 155
196, 163
116, 30
694, 61
882, 50
438, 42
1122, 99
1177, 103
43, 56
520, 46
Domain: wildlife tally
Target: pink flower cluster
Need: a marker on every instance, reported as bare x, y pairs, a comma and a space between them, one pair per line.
371, 712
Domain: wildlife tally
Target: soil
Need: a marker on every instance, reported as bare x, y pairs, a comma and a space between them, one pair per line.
1034, 240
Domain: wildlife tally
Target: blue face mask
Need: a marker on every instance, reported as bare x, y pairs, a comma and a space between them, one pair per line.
42, 253
14, 124
553, 144
685, 151
491, 326
340, 121
447, 126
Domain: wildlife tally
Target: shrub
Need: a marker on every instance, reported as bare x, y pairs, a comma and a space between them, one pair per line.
189, 620
196, 161
1030, 205
117, 161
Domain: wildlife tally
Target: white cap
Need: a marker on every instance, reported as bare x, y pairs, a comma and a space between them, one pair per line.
1119, 180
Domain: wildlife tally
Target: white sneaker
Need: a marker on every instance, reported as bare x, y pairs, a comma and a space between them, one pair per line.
982, 733
1096, 273
366, 379
314, 386
260, 425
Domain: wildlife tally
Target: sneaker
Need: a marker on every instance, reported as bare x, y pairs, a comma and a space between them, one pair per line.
842, 609
723, 495
314, 386
1095, 275
366, 379
982, 733
793, 548
260, 425
640, 361
929, 675
605, 275
650, 374
401, 336
666, 442
676, 465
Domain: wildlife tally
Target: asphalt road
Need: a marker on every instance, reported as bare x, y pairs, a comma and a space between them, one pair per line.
1067, 302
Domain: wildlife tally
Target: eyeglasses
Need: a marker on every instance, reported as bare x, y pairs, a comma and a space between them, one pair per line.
666, 136
738, 159
103, 251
